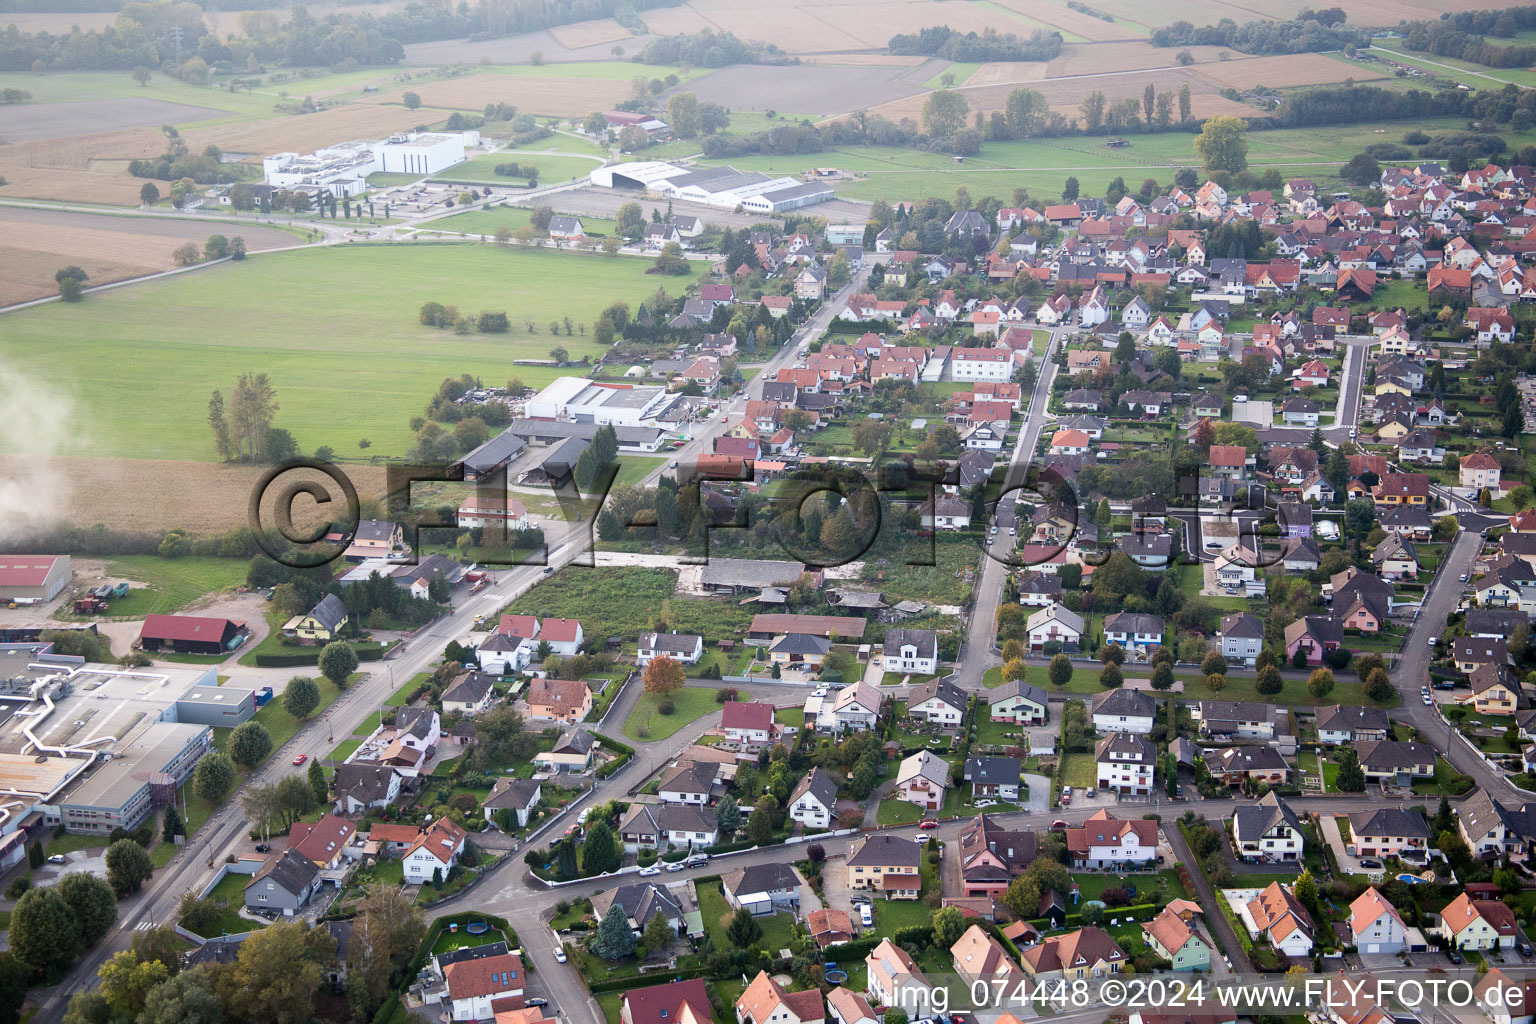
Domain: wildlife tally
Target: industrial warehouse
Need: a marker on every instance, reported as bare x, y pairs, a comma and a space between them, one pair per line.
723, 187
97, 747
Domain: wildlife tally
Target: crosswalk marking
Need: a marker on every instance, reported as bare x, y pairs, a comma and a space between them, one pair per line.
143, 926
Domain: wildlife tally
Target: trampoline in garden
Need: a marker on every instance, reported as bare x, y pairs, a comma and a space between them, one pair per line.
833, 974
477, 928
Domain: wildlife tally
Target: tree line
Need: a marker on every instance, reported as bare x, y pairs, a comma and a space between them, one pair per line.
991, 45
1461, 36
711, 49
1310, 32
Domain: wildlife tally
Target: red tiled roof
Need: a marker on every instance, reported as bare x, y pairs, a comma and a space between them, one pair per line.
746, 715
485, 976
323, 840
663, 1004
559, 630
186, 627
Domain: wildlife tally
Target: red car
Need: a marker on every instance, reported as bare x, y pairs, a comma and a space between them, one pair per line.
301, 759
928, 823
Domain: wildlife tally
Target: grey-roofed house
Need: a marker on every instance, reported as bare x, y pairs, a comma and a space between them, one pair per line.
283, 885
639, 902
572, 752
1122, 710
1395, 762
470, 694
993, 777
911, 650
686, 648
937, 703
361, 785
321, 623
1267, 830
799, 648
1231, 719
762, 889
1242, 638
1018, 702
1390, 832
1133, 629
813, 802
520, 796
1347, 723
1235, 765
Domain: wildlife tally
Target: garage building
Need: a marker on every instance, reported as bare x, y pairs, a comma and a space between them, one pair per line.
190, 634
724, 187
32, 579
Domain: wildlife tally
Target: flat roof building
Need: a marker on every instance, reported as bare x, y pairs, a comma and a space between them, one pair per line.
580, 400
724, 187
221, 706
141, 774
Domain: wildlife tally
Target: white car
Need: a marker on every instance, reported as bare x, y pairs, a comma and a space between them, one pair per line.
675, 866
581, 819
559, 954
1429, 701
650, 872
866, 915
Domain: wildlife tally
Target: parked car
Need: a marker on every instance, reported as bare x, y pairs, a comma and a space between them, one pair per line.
57, 858
1429, 701
1523, 948
1369, 863
301, 759
559, 954
866, 915
650, 872
675, 866
263, 848
697, 860
535, 1001
1454, 956
1058, 825
928, 823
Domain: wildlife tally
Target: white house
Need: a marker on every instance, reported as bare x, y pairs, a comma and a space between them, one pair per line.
1125, 763
1018, 702
1277, 915
911, 650
981, 364
475, 983
1123, 710
748, 723
1267, 831
1107, 842
1376, 925
937, 704
813, 802
856, 707
500, 654
564, 636
685, 648
1054, 624
434, 853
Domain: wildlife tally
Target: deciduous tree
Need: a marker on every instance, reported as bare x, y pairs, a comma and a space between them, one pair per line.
213, 777
663, 677
93, 902
337, 662
127, 865
249, 744
301, 697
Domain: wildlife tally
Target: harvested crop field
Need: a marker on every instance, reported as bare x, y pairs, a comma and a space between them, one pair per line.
74, 168
590, 33
867, 60
1006, 73
58, 24
155, 495
1287, 71
23, 122
1127, 55
553, 95
1071, 23
108, 248
809, 88
303, 134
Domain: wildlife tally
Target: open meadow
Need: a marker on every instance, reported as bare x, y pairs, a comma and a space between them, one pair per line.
335, 328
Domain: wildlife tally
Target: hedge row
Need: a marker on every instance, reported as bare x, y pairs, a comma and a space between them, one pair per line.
848, 952
370, 653
628, 984
625, 750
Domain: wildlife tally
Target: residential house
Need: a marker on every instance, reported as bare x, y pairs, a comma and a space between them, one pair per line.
979, 957
1123, 710
1018, 702
1242, 638
689, 782
572, 752
519, 797
995, 778
321, 624
1312, 635
469, 694
559, 700
829, 927
813, 802
991, 855
1479, 471
434, 853
1125, 763
684, 648
1133, 631
1375, 924
283, 884
748, 723
639, 902
360, 786
1055, 625
856, 707
475, 984
1177, 940
1086, 953
922, 779
1479, 925
1267, 831
1389, 832
1277, 915
1247, 764
564, 636
1348, 723
886, 863
892, 976
1105, 842
676, 1002
324, 841
937, 703
911, 650
762, 889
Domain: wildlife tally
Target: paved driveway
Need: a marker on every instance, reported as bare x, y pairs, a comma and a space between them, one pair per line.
1348, 862
1039, 794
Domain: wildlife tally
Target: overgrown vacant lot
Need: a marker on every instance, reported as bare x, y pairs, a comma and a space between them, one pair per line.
335, 328
620, 601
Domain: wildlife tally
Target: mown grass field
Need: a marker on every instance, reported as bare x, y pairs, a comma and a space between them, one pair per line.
612, 601
485, 222
552, 168
336, 329
168, 584
1043, 165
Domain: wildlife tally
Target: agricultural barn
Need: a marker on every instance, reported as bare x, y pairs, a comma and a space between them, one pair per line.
32, 578
723, 187
190, 634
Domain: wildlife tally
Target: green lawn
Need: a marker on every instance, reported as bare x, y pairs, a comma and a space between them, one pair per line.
1158, 888
70, 842
551, 169
280, 725
899, 812
486, 221
634, 468
778, 929
343, 346
168, 584
691, 703
618, 601
1078, 770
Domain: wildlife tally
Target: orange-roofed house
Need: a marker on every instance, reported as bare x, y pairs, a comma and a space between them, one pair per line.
1229, 460
1276, 914
676, 1002
980, 957
766, 1002
323, 841
475, 983
1088, 952
436, 850
1523, 522
559, 700
519, 627
850, 1007
1069, 442
564, 636
893, 976
1105, 841
1480, 470
1376, 924
1178, 941
1477, 924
